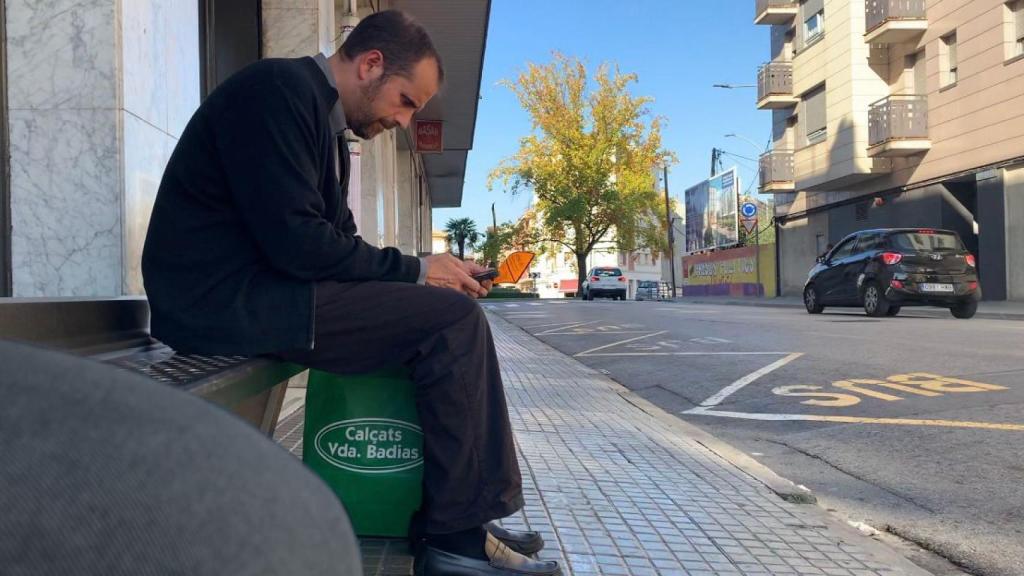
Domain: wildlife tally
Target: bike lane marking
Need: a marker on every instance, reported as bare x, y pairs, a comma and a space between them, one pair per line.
706, 408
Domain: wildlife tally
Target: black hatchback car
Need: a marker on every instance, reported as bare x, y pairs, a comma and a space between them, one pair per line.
883, 270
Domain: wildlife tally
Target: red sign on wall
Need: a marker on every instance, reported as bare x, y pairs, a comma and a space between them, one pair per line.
429, 136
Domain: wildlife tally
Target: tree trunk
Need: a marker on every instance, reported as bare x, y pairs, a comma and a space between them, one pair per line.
462, 249
581, 273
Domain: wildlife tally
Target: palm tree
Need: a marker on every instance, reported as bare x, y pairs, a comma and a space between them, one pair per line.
461, 231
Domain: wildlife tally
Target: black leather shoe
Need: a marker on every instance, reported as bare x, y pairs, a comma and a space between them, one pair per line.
503, 562
525, 543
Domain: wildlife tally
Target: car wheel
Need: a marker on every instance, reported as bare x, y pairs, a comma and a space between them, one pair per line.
893, 310
875, 303
811, 300
965, 310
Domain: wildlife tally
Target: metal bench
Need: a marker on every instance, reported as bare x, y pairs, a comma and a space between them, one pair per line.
116, 331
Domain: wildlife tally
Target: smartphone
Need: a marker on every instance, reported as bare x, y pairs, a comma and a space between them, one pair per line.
486, 275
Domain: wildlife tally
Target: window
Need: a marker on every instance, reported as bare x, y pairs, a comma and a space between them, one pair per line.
869, 242
812, 13
815, 116
1015, 28
926, 241
843, 250
948, 60
229, 39
814, 26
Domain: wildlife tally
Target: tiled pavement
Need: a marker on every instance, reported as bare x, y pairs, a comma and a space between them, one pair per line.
616, 491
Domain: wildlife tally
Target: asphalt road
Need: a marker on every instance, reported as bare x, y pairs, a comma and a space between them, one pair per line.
912, 425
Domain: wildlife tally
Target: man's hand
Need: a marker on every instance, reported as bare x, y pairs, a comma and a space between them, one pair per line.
472, 268
447, 271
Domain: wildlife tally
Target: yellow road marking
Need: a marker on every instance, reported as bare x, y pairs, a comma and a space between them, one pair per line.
851, 386
900, 387
923, 422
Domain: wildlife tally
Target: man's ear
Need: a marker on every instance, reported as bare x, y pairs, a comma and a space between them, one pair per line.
371, 65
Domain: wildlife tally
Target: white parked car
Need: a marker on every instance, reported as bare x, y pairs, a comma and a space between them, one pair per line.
604, 282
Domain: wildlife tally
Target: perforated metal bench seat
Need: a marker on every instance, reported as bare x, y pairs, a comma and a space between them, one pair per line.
116, 331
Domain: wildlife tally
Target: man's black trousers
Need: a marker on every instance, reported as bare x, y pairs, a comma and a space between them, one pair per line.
470, 472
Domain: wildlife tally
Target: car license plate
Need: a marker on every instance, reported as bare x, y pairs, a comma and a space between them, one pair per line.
936, 287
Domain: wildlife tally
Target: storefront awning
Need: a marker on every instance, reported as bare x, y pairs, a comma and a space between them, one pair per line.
459, 31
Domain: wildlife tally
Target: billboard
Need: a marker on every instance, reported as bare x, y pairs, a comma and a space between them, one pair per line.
711, 216
747, 271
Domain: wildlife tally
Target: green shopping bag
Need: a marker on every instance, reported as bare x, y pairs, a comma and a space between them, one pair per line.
362, 437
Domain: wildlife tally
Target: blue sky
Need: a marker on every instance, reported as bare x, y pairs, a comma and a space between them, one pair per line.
679, 48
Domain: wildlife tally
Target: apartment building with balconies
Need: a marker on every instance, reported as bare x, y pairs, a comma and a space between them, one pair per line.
896, 113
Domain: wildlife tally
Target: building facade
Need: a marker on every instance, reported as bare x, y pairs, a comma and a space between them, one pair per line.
894, 113
97, 92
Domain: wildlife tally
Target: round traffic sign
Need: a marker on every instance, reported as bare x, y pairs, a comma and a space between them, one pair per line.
748, 210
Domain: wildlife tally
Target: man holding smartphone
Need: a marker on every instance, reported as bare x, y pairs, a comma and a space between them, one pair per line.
252, 249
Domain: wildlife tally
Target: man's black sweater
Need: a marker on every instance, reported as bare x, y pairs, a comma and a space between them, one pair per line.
249, 215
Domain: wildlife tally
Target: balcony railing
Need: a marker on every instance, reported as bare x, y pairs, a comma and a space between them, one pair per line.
776, 171
775, 11
898, 117
898, 125
881, 11
775, 85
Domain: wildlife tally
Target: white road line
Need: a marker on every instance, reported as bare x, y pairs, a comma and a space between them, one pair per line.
688, 354
594, 333
710, 340
739, 384
689, 311
704, 411
511, 305
552, 324
585, 352
567, 327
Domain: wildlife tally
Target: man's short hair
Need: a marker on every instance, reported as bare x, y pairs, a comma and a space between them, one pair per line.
402, 41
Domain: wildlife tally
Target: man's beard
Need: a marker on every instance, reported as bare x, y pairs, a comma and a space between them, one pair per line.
361, 122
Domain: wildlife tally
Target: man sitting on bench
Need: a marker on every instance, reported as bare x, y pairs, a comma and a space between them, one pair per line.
252, 249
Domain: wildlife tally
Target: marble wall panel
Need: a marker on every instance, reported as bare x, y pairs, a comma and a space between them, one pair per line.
279, 4
289, 32
65, 203
144, 60
146, 151
183, 70
61, 54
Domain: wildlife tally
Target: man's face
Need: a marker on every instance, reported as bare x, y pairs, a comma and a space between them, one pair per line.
385, 103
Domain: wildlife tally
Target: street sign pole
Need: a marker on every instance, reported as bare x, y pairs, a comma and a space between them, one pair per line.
750, 222
757, 257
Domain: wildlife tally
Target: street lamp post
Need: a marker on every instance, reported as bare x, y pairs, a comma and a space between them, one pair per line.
748, 140
671, 235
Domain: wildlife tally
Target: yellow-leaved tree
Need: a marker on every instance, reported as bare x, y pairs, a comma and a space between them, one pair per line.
590, 160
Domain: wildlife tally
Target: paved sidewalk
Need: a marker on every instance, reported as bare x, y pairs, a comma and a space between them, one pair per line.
1005, 310
618, 487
